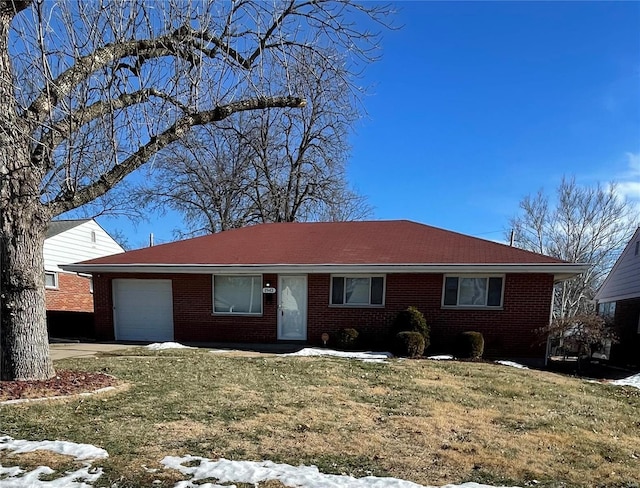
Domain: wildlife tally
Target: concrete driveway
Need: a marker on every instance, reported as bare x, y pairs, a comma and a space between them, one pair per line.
82, 349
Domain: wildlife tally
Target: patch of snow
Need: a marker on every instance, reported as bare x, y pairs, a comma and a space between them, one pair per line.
441, 357
512, 364
13, 471
252, 472
80, 478
222, 351
368, 356
628, 381
161, 346
79, 451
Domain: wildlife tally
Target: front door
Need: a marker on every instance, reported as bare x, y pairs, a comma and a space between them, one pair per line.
292, 308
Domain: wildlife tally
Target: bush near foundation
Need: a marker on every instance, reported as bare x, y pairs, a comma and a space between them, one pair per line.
469, 345
412, 320
348, 338
409, 344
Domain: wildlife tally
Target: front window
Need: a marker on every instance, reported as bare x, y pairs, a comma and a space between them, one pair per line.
607, 310
472, 291
237, 294
357, 290
50, 279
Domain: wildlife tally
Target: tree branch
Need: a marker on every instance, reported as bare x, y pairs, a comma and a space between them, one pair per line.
65, 202
60, 131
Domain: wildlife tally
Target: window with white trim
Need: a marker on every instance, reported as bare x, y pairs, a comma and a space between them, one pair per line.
357, 290
51, 279
472, 291
237, 294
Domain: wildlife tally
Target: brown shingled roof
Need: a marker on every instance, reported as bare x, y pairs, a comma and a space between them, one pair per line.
339, 243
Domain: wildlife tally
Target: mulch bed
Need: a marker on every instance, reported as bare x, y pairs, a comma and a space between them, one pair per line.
62, 384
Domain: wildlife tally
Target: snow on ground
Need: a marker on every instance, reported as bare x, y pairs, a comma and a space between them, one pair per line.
80, 452
83, 477
161, 346
512, 364
226, 471
194, 468
628, 381
442, 357
371, 357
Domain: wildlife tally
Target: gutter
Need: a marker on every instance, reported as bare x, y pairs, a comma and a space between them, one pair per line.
560, 271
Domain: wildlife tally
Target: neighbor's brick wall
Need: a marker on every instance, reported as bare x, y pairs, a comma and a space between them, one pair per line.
73, 294
508, 332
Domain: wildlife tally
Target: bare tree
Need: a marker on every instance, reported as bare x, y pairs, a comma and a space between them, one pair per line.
582, 334
584, 225
92, 90
275, 166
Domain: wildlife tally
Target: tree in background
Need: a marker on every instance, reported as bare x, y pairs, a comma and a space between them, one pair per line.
584, 225
91, 91
582, 334
275, 166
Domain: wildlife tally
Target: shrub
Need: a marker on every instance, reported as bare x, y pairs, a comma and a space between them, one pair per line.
412, 320
347, 338
409, 343
469, 345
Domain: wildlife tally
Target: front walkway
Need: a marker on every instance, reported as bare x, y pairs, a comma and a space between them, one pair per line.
81, 349
63, 350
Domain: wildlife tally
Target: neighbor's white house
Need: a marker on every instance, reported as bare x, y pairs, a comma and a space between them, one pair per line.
70, 295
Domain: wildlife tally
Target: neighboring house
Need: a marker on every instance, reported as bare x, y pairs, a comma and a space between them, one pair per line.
619, 299
296, 281
70, 295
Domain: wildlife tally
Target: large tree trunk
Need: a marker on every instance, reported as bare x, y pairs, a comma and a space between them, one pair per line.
23, 326
23, 222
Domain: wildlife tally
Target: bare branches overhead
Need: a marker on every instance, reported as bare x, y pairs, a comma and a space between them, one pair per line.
579, 225
100, 83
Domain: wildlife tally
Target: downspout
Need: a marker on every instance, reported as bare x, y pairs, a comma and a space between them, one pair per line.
548, 349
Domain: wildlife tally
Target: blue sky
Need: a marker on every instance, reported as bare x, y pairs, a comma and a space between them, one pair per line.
476, 104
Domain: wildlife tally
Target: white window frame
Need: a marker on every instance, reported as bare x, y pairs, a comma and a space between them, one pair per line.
213, 294
344, 291
468, 307
55, 280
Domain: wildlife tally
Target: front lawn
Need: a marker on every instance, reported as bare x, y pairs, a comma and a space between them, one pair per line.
425, 421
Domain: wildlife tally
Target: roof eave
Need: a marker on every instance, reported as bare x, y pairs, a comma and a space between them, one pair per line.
560, 271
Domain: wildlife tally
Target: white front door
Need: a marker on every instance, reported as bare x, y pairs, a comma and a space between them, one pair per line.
292, 308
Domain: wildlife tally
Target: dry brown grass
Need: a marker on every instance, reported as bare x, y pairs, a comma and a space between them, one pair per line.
428, 422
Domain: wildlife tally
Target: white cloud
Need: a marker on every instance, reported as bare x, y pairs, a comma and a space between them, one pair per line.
628, 182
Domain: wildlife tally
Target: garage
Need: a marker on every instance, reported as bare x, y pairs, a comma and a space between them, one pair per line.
142, 310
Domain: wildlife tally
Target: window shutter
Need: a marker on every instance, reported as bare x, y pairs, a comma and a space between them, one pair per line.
451, 290
337, 291
377, 287
495, 292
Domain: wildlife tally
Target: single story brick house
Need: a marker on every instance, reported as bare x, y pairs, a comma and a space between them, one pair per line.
297, 281
618, 299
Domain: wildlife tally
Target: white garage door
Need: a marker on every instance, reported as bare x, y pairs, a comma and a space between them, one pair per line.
143, 310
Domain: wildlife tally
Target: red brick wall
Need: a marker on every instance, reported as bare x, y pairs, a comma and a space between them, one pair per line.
508, 332
73, 294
